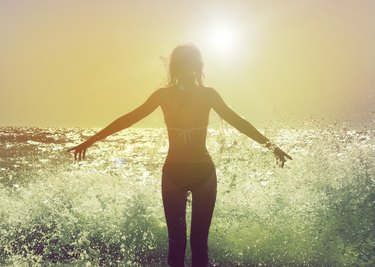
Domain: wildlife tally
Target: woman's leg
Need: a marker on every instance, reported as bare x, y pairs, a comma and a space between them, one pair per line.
203, 199
174, 200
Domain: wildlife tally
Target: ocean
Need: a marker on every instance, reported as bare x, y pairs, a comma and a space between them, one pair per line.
107, 210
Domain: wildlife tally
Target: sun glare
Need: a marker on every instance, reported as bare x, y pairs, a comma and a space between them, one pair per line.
223, 37
223, 40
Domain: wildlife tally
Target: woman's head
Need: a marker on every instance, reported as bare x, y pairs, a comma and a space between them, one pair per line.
186, 65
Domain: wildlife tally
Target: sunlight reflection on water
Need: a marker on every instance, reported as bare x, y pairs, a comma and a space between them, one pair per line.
318, 210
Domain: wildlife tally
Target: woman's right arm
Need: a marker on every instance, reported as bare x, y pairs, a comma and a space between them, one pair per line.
225, 112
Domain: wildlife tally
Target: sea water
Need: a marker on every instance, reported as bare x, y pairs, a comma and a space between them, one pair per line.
319, 210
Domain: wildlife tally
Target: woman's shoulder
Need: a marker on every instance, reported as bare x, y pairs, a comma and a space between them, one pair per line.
164, 90
160, 92
210, 91
207, 89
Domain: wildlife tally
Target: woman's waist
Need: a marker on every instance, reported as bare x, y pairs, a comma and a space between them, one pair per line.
195, 157
188, 165
187, 137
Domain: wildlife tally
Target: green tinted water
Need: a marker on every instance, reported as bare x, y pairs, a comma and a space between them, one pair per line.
317, 211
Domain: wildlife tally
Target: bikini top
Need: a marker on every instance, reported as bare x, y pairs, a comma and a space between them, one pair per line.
186, 133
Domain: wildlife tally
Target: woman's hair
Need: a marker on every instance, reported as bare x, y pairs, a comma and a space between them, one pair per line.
185, 61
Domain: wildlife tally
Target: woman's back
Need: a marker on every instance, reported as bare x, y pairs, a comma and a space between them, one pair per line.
186, 112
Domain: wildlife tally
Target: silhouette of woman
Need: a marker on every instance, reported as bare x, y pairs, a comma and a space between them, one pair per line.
186, 105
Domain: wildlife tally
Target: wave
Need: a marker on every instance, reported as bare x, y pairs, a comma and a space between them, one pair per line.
107, 210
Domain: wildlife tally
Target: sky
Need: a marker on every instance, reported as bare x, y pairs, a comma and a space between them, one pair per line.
85, 63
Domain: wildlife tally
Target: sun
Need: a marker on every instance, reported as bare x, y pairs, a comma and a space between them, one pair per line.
224, 40
223, 37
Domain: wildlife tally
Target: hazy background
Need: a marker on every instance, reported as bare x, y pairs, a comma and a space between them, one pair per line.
85, 63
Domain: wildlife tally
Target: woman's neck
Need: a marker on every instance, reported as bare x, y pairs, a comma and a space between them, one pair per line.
186, 85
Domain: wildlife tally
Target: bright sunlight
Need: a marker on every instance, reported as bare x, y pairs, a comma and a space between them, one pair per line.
224, 37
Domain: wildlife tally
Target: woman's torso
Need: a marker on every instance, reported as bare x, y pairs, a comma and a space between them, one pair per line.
186, 114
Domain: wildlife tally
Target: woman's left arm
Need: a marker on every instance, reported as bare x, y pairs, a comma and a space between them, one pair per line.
245, 127
132, 117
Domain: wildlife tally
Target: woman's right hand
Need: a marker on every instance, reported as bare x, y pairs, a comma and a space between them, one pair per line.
80, 150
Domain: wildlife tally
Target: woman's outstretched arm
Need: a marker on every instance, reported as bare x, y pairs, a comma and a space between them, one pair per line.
121, 123
244, 126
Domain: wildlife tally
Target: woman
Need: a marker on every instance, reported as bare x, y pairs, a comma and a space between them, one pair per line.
186, 105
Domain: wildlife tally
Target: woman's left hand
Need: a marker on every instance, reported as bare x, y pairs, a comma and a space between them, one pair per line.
80, 150
281, 156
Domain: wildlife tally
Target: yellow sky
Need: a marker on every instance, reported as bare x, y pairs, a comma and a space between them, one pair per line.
85, 63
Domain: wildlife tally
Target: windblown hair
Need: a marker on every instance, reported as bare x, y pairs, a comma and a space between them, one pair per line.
185, 61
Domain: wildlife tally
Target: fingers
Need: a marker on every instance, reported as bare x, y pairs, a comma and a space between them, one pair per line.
283, 154
281, 157
82, 154
280, 160
79, 154
289, 157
